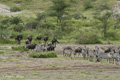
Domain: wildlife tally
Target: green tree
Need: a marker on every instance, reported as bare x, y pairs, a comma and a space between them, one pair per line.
59, 8
104, 19
41, 16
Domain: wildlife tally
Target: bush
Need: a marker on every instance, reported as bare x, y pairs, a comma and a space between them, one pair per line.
20, 48
88, 40
18, 28
87, 4
32, 25
112, 35
88, 37
5, 34
51, 54
47, 26
15, 9
6, 41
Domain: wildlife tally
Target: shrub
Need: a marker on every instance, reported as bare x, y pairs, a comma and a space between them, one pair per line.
6, 41
50, 54
87, 4
112, 35
88, 37
32, 25
47, 26
93, 39
18, 28
15, 9
5, 34
20, 48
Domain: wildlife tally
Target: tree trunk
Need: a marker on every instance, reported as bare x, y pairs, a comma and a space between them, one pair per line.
105, 28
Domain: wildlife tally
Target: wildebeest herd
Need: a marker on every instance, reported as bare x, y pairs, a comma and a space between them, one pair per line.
44, 46
110, 53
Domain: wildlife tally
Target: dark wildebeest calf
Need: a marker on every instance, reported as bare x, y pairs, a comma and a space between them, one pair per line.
18, 38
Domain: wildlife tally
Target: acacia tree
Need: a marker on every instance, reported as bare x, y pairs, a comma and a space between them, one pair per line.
103, 14
59, 9
104, 19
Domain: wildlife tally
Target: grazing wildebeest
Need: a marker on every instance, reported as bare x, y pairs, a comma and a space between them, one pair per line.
54, 41
31, 46
45, 40
108, 50
30, 38
50, 47
39, 38
67, 51
18, 38
78, 50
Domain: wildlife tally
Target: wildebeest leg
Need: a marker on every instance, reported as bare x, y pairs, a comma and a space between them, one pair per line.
18, 41
70, 55
74, 54
90, 58
63, 52
55, 44
78, 54
113, 60
101, 60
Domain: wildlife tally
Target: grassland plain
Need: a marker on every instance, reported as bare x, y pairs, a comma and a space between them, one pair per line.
19, 66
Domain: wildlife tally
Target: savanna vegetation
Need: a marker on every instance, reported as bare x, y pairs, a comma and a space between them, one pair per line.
71, 21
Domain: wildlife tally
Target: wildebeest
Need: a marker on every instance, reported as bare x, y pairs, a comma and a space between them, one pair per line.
108, 50
45, 39
27, 42
31, 46
38, 38
18, 38
54, 41
78, 50
50, 47
30, 38
67, 51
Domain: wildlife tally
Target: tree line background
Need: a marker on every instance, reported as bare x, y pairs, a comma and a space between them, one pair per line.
71, 21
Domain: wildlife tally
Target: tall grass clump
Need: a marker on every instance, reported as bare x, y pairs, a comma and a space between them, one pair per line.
50, 54
1, 52
6, 41
20, 48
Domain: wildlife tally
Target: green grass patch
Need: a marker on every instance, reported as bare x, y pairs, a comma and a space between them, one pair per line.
85, 72
1, 52
6, 41
51, 54
20, 48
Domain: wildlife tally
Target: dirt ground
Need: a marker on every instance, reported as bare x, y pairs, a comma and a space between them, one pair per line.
19, 66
